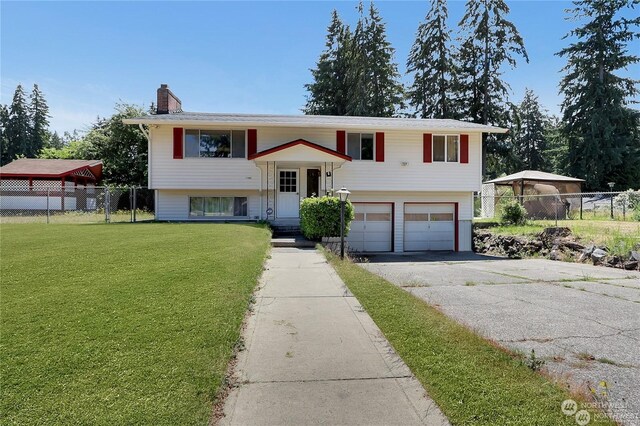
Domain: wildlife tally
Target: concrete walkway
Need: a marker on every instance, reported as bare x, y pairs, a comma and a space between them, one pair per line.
313, 356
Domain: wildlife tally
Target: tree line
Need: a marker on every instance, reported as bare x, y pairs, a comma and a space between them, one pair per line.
461, 75
24, 132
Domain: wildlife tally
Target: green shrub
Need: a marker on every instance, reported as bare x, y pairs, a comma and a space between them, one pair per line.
636, 213
320, 217
512, 213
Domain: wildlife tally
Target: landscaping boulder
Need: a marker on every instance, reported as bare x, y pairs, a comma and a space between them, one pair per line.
598, 255
630, 265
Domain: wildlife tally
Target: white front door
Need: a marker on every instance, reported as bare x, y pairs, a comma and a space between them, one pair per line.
288, 193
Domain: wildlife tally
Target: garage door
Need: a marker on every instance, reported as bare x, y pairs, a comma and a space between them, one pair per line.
371, 227
429, 227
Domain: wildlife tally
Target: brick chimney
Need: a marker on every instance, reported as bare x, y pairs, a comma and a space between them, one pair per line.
168, 103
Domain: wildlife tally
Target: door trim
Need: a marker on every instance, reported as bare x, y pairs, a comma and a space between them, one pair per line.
456, 222
277, 192
393, 219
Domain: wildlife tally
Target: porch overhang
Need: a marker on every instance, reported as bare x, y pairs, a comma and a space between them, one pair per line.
300, 151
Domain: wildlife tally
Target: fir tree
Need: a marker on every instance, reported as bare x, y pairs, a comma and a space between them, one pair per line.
374, 79
18, 127
4, 141
489, 42
600, 127
528, 133
329, 90
39, 114
557, 149
431, 63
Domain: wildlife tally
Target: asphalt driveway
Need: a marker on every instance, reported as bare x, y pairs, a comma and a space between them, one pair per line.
582, 319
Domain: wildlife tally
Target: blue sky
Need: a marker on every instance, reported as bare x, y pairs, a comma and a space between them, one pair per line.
220, 56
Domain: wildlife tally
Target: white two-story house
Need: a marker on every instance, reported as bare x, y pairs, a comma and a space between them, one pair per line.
411, 180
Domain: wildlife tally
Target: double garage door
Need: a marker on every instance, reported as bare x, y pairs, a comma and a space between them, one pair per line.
426, 227
429, 227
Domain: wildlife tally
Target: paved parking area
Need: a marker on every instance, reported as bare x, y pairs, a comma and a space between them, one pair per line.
584, 320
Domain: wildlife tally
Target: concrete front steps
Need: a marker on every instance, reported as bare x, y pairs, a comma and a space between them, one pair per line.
288, 234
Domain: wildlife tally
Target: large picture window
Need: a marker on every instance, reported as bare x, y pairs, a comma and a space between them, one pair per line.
218, 206
446, 148
360, 146
214, 143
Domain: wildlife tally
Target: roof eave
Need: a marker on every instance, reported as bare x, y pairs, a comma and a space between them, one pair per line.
174, 122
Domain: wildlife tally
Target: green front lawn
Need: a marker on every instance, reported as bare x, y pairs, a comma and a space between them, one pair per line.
121, 323
473, 381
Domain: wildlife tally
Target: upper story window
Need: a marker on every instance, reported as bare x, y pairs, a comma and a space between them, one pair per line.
446, 148
360, 146
215, 143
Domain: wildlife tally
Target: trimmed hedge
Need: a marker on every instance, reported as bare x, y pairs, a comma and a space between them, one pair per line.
320, 217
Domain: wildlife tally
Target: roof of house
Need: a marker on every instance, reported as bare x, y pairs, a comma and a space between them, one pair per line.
329, 121
533, 175
36, 167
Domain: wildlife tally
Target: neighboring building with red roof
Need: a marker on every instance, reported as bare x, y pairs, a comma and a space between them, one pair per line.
27, 183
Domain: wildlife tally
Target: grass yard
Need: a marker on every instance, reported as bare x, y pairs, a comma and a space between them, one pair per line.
472, 380
620, 237
121, 323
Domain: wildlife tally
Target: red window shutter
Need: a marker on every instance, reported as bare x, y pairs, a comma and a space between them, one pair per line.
464, 148
177, 142
426, 147
341, 141
252, 142
379, 146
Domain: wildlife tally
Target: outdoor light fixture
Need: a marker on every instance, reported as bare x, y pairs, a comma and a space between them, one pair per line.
343, 193
611, 185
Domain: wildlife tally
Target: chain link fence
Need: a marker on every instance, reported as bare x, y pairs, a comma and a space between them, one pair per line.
585, 205
21, 203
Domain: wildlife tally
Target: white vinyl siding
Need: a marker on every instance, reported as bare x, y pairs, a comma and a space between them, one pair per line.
402, 170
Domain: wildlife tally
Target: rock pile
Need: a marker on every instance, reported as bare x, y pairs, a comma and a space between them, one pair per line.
554, 244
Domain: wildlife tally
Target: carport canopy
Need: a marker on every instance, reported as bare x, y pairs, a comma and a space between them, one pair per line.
518, 180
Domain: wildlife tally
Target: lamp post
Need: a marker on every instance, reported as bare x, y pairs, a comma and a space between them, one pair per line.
611, 184
343, 193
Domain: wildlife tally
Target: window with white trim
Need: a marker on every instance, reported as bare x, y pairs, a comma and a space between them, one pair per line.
218, 206
360, 146
214, 143
446, 148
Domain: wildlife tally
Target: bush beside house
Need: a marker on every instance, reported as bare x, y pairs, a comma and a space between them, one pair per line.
320, 217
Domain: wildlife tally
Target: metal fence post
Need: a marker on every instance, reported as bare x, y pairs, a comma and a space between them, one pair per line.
134, 203
48, 205
107, 205
581, 207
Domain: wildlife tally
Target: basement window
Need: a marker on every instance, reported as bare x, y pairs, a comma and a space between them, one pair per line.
218, 207
214, 143
360, 146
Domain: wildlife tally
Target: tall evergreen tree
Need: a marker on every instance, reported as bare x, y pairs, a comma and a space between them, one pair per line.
557, 149
430, 60
39, 114
489, 42
4, 140
374, 84
600, 127
528, 133
18, 127
329, 91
